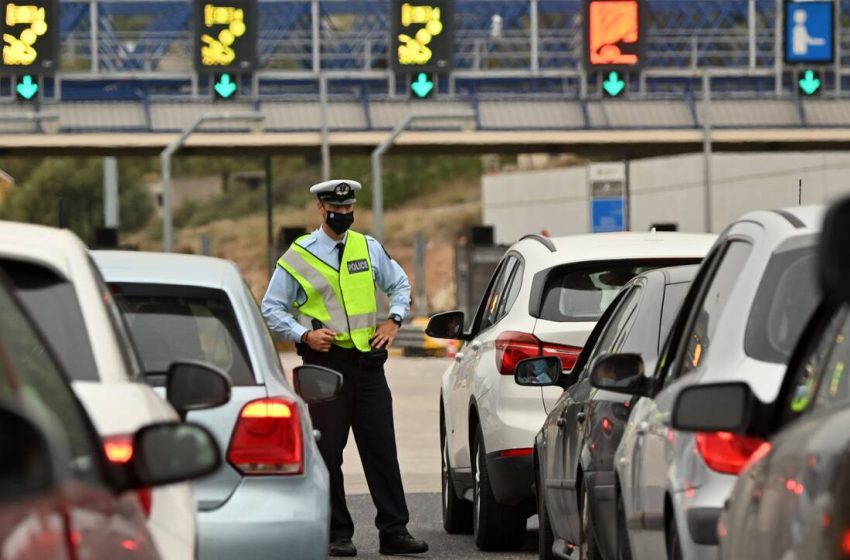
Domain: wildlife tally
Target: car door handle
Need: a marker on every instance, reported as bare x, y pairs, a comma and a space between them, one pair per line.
580, 417
474, 345
642, 428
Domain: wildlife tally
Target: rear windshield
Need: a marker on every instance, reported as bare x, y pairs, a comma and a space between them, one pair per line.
785, 301
581, 293
172, 323
52, 303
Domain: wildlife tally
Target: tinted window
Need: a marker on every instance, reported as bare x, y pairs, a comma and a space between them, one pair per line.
25, 359
817, 350
581, 293
714, 301
618, 326
513, 290
674, 295
786, 298
52, 302
834, 386
496, 295
172, 323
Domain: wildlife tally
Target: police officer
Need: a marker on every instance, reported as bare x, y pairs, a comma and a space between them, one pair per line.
328, 278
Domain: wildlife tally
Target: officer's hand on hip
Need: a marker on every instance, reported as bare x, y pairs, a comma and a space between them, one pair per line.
319, 340
385, 334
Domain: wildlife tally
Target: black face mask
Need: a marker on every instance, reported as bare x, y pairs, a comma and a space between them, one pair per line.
339, 222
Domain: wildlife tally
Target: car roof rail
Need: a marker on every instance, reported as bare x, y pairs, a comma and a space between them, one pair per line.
544, 240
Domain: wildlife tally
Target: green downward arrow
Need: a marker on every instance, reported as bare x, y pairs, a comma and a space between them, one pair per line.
422, 86
614, 84
809, 84
27, 88
225, 87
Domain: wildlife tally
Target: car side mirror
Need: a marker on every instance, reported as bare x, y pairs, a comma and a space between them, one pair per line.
30, 470
620, 373
196, 386
538, 372
834, 253
170, 452
316, 384
446, 325
715, 407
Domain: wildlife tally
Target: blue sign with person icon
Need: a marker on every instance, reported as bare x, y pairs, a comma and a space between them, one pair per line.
809, 32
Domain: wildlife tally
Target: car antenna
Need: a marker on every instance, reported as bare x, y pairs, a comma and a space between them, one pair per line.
800, 193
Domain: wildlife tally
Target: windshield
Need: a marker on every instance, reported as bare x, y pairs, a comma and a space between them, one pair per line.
786, 298
583, 292
52, 302
172, 323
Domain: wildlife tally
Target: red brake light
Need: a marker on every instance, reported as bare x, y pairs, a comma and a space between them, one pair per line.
522, 452
725, 452
512, 347
119, 449
267, 439
607, 425
146, 500
845, 542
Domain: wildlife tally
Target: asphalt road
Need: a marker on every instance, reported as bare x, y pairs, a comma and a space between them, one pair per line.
415, 383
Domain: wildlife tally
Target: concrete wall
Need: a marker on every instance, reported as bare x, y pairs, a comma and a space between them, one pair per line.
669, 189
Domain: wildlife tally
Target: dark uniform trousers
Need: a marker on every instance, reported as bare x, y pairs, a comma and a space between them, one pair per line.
364, 406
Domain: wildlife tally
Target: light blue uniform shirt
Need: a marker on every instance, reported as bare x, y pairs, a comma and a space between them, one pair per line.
284, 290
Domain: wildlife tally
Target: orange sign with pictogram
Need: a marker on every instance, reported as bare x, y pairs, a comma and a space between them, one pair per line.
613, 36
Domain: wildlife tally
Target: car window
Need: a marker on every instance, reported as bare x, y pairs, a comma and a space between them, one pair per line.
618, 326
172, 323
808, 371
834, 386
674, 295
713, 302
491, 308
28, 363
52, 303
582, 292
514, 284
786, 298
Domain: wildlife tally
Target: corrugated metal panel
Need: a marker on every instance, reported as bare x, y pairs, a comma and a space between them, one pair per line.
15, 110
640, 114
308, 116
525, 115
387, 114
170, 116
129, 115
827, 112
752, 113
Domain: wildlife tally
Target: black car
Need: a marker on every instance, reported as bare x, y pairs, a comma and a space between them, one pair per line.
574, 451
793, 499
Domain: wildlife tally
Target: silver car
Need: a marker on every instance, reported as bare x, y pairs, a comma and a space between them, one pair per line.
740, 320
272, 494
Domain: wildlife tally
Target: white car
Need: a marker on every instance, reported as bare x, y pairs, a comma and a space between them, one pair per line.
61, 288
544, 299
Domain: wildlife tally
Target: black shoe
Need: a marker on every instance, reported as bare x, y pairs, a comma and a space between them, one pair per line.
402, 543
342, 547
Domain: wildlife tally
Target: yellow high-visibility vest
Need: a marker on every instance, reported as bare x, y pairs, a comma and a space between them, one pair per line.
343, 300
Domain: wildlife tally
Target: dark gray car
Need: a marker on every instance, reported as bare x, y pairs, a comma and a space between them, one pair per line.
574, 451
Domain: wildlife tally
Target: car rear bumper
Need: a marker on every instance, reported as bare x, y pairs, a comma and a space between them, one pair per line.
269, 516
511, 478
602, 497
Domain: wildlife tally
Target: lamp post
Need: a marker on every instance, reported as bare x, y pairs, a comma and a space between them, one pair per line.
165, 164
380, 150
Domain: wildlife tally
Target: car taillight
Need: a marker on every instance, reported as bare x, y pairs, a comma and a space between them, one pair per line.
607, 425
119, 449
521, 452
513, 347
725, 452
267, 439
146, 500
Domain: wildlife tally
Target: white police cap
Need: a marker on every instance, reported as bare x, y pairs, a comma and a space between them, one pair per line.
337, 191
